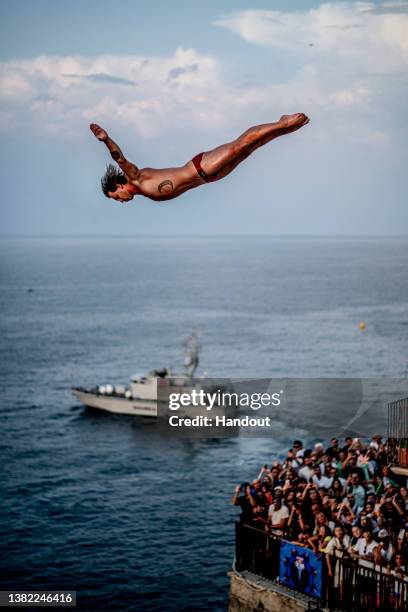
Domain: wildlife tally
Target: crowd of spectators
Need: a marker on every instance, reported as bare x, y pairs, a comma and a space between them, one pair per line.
339, 500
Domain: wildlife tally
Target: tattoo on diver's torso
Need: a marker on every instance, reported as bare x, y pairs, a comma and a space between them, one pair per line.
165, 186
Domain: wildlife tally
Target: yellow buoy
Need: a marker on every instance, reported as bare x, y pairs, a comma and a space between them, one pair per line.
362, 325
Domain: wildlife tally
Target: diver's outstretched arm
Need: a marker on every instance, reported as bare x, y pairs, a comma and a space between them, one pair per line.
131, 171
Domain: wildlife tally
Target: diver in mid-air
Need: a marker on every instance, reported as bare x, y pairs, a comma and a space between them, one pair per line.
168, 183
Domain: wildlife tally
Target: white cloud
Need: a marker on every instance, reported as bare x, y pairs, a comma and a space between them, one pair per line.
352, 60
147, 95
349, 76
359, 97
356, 35
144, 93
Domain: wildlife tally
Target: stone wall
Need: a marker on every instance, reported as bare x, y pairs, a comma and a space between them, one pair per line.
249, 593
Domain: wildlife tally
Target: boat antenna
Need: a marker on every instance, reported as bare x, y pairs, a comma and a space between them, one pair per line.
192, 348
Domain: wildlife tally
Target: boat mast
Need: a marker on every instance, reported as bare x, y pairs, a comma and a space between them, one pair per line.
192, 348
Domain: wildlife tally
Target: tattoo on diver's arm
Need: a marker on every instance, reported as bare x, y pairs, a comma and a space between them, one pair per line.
115, 155
165, 186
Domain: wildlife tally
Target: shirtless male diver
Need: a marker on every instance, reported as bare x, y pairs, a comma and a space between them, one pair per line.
168, 183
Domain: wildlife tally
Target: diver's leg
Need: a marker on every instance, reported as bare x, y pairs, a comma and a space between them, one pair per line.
223, 159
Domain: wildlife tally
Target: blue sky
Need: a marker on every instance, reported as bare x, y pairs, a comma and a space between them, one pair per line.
169, 80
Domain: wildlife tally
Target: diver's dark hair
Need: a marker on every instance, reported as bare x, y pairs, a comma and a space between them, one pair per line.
111, 179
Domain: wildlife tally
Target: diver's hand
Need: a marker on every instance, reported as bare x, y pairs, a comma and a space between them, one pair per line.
99, 132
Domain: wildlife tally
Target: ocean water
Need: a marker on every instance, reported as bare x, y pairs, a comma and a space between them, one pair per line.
103, 504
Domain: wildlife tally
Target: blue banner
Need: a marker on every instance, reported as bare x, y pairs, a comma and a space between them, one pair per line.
301, 569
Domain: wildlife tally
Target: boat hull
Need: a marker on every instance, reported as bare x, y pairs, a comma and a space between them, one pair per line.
117, 405
138, 407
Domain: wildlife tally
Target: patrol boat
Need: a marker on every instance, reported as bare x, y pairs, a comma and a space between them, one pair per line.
145, 393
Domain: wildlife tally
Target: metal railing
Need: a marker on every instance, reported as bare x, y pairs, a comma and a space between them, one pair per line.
398, 432
353, 586
256, 551
359, 586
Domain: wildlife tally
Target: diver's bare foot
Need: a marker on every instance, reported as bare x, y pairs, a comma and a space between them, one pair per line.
290, 123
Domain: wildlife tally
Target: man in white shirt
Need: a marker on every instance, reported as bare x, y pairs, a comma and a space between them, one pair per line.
385, 550
306, 471
357, 536
278, 515
340, 542
298, 450
336, 547
366, 545
320, 481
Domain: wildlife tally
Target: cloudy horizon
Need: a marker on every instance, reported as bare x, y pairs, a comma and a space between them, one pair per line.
166, 99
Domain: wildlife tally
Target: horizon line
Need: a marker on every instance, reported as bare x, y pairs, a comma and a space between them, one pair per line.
187, 236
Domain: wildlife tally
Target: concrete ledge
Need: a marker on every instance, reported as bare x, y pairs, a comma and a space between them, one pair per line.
250, 593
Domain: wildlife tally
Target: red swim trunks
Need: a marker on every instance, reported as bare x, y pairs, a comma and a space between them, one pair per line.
197, 164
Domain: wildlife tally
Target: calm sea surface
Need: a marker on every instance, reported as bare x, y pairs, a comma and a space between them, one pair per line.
103, 504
